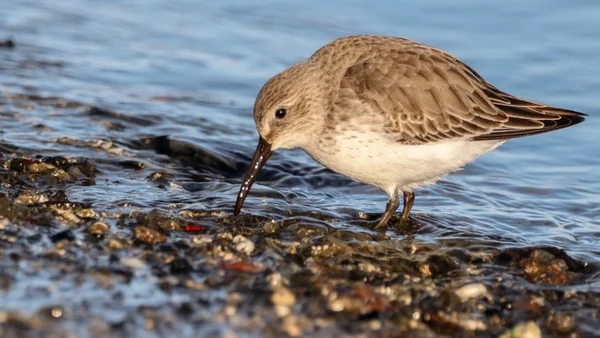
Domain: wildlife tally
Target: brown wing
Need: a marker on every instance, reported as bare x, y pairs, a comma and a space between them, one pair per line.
426, 95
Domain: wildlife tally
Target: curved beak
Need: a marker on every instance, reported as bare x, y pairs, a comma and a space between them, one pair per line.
261, 155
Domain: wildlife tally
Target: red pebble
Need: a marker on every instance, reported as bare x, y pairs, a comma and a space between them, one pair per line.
246, 267
194, 228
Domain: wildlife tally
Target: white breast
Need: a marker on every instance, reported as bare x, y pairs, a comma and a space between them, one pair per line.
391, 166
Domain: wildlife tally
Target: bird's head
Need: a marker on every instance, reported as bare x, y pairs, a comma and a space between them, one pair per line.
288, 112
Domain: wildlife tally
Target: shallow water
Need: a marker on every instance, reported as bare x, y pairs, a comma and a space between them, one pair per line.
107, 80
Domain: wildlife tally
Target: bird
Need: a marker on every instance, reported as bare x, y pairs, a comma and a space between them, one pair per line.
390, 112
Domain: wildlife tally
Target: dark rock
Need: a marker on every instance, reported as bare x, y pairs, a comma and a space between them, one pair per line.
57, 161
185, 309
8, 44
439, 265
180, 266
66, 235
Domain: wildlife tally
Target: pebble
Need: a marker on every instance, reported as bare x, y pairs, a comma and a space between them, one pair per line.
290, 325
66, 235
148, 235
523, 330
98, 229
470, 291
8, 43
283, 299
31, 197
243, 244
133, 262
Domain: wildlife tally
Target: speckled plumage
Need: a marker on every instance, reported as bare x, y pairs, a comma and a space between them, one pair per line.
393, 113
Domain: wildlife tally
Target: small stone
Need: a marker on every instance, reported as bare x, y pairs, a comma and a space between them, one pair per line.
8, 44
180, 266
523, 330
283, 296
98, 229
115, 244
148, 235
470, 291
31, 197
86, 213
66, 235
133, 262
40, 167
282, 311
57, 161
76, 173
275, 279
243, 244
60, 175
440, 265
291, 327
561, 323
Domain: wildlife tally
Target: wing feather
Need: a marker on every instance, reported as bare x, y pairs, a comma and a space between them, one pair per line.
428, 95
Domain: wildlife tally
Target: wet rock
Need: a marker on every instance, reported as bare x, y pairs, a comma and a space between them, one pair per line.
130, 164
30, 166
470, 291
98, 229
85, 213
115, 244
523, 330
282, 296
148, 235
243, 244
133, 262
283, 299
560, 323
66, 213
303, 278
8, 43
528, 307
53, 312
66, 235
57, 161
180, 266
76, 173
31, 197
438, 265
105, 113
61, 175
198, 157
86, 167
158, 221
542, 267
185, 309
247, 267
159, 177
59, 197
291, 327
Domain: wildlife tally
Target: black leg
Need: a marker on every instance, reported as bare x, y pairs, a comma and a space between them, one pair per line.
390, 210
409, 200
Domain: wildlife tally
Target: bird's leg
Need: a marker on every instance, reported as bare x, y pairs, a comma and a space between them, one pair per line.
409, 200
390, 209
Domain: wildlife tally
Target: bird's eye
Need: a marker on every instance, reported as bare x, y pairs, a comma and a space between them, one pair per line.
280, 113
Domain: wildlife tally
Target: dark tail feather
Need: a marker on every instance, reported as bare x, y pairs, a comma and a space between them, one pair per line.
528, 118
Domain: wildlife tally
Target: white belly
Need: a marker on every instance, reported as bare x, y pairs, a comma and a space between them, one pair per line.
394, 167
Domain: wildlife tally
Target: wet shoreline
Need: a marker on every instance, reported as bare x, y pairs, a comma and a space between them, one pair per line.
123, 145
207, 272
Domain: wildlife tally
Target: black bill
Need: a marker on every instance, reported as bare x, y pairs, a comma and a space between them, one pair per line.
261, 155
